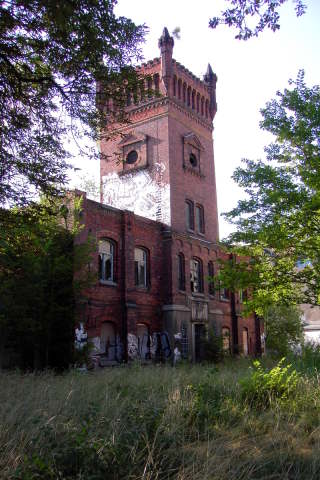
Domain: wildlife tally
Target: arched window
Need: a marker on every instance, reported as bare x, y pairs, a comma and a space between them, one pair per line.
245, 342
156, 82
143, 341
199, 219
193, 99
196, 275
174, 86
211, 275
141, 273
224, 293
184, 93
179, 88
189, 96
181, 272
107, 260
198, 102
202, 105
225, 332
189, 215
149, 87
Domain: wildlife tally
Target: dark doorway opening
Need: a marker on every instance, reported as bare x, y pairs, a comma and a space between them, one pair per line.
199, 337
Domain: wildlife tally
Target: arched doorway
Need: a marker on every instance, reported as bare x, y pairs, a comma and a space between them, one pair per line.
108, 344
143, 341
245, 342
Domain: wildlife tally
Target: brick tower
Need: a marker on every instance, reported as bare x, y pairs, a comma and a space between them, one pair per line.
166, 152
157, 224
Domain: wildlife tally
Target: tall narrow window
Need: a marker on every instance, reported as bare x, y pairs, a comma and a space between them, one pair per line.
140, 267
196, 276
156, 81
226, 339
174, 86
211, 275
189, 215
224, 293
106, 260
181, 272
199, 219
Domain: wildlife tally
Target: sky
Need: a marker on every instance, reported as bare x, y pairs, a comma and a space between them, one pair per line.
249, 73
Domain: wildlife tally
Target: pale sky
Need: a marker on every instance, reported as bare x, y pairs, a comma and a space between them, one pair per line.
249, 73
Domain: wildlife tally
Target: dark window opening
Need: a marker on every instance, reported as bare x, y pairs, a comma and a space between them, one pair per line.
140, 267
132, 157
190, 215
106, 260
193, 160
199, 219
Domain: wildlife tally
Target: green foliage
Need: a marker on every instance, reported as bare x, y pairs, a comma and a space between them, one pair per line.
38, 289
213, 347
264, 387
251, 17
283, 329
155, 422
278, 223
53, 54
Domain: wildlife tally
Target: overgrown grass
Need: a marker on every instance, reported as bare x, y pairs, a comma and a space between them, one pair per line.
183, 423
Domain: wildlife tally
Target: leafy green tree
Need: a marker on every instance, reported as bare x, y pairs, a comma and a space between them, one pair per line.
251, 17
60, 62
276, 245
283, 328
38, 288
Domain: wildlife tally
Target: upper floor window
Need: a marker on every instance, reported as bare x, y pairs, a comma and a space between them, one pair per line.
199, 219
211, 275
181, 272
189, 215
141, 267
224, 293
196, 275
106, 260
243, 295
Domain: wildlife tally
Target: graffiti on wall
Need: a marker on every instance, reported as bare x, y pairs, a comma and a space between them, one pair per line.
146, 347
144, 192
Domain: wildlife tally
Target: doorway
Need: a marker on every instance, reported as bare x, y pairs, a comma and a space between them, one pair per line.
199, 337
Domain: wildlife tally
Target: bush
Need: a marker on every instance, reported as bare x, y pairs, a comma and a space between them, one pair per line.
213, 347
264, 387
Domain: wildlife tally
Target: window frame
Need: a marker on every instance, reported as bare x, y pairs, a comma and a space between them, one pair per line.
199, 219
111, 280
146, 275
199, 273
189, 205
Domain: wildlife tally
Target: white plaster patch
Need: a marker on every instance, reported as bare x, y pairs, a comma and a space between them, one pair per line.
144, 194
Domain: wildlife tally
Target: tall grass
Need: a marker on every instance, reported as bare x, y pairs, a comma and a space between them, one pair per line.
189, 422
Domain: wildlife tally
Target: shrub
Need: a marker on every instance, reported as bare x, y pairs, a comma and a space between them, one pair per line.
263, 387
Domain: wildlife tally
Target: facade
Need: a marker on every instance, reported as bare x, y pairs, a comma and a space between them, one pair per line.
156, 227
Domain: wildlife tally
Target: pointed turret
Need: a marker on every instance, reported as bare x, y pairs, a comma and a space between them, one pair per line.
210, 78
166, 44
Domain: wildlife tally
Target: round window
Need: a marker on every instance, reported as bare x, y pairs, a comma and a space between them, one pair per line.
132, 157
193, 160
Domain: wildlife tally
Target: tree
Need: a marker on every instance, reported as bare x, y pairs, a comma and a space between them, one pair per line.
53, 54
277, 243
38, 285
244, 13
283, 329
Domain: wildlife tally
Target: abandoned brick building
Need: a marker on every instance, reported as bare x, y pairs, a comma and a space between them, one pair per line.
157, 226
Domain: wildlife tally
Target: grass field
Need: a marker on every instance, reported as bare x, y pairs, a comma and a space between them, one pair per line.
159, 422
